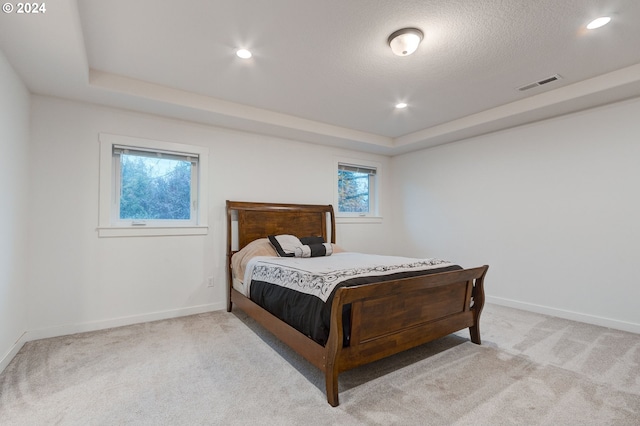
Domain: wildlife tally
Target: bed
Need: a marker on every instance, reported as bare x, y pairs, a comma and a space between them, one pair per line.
365, 321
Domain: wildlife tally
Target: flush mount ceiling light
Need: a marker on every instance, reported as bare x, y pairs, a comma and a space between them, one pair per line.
243, 53
401, 105
599, 22
405, 41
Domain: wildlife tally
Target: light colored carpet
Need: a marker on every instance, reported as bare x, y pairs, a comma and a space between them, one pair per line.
221, 368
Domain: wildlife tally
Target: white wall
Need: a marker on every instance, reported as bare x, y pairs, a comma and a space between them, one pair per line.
82, 282
14, 185
552, 207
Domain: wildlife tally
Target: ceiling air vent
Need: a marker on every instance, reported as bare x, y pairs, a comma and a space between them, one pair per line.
539, 83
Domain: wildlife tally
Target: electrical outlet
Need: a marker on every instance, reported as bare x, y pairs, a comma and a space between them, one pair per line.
210, 282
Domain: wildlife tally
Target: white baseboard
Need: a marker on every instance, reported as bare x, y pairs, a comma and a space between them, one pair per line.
561, 313
63, 330
6, 359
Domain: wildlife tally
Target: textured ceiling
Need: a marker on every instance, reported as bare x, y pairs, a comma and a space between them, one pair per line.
322, 71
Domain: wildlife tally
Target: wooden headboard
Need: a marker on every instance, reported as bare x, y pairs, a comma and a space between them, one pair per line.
259, 220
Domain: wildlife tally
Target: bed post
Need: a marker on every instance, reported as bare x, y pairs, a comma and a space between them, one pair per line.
478, 304
333, 348
332, 218
228, 256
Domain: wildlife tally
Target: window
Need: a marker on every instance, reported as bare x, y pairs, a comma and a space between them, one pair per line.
357, 192
154, 186
151, 187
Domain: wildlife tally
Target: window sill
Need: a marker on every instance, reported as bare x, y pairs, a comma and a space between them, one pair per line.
358, 219
150, 231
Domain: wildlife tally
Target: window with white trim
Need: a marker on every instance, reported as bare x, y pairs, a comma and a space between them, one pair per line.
357, 189
151, 187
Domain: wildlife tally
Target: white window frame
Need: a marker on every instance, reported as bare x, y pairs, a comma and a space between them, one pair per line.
109, 223
374, 215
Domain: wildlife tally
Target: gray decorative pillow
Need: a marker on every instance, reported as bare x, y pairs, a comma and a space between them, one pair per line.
290, 246
312, 240
314, 250
285, 244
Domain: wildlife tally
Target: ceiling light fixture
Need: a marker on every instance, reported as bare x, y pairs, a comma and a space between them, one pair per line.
401, 105
405, 41
243, 53
599, 22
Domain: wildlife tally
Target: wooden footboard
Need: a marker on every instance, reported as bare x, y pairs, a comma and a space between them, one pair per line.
394, 316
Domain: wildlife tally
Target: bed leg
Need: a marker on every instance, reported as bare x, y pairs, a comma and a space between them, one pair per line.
478, 298
330, 369
333, 348
331, 380
475, 334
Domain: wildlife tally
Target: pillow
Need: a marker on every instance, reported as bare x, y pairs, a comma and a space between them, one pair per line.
290, 246
285, 245
312, 240
320, 240
239, 260
314, 250
314, 247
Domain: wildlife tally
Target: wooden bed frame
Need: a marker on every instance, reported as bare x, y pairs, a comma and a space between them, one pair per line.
386, 318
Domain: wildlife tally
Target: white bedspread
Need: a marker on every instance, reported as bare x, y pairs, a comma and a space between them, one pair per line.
318, 276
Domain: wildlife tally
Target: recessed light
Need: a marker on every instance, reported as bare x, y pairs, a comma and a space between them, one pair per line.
599, 22
243, 53
401, 105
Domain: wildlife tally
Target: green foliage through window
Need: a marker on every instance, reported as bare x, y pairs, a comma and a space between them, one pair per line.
353, 191
155, 188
